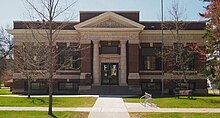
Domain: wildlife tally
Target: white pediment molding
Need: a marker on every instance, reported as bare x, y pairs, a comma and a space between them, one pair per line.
109, 21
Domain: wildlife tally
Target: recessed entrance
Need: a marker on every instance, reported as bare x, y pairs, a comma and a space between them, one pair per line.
109, 73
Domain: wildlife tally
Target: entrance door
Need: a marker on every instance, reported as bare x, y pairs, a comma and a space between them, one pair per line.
109, 73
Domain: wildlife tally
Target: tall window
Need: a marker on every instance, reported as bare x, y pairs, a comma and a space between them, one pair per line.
69, 57
184, 57
150, 58
35, 55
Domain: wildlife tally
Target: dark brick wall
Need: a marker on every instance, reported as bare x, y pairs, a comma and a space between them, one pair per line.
17, 58
133, 61
86, 62
18, 84
199, 64
168, 59
201, 84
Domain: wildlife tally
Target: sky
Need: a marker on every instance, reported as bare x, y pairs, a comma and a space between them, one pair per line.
11, 10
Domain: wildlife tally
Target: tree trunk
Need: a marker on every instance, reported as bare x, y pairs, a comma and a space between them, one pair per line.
50, 111
51, 68
29, 88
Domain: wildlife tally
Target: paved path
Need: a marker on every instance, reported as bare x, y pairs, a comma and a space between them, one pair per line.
48, 96
137, 107
108, 107
86, 109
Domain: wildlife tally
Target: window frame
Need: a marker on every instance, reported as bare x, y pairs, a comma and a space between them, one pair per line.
64, 88
146, 87
157, 60
41, 86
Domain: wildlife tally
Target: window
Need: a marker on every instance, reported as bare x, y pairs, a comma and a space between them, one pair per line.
68, 86
69, 57
38, 86
38, 56
150, 59
151, 86
185, 86
109, 47
184, 57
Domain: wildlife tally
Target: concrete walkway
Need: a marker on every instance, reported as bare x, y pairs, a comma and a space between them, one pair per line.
137, 107
108, 107
48, 96
86, 109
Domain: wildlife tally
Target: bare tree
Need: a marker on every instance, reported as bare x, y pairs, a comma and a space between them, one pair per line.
30, 61
48, 11
183, 54
6, 47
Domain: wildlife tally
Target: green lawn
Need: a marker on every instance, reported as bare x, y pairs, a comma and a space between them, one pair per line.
174, 115
43, 102
5, 91
41, 114
1, 84
183, 102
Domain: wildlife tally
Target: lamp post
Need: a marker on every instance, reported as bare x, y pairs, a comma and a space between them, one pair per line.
162, 50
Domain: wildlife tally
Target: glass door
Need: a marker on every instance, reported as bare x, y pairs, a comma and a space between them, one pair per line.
109, 73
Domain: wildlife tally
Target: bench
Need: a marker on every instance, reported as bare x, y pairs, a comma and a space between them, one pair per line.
184, 93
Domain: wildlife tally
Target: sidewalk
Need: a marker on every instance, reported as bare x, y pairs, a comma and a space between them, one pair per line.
48, 96
86, 109
108, 107
137, 107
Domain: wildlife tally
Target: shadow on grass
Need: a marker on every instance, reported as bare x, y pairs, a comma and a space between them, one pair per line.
34, 100
186, 98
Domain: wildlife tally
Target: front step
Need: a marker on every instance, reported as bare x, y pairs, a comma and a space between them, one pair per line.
110, 90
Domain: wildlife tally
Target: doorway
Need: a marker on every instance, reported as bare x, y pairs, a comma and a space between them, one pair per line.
109, 73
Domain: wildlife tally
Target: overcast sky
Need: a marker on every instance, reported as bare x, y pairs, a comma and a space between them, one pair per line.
11, 10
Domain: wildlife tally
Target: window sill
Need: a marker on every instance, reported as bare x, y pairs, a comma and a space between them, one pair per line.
188, 72
109, 55
67, 71
151, 71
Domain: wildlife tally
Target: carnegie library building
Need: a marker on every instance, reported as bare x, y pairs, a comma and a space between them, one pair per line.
117, 54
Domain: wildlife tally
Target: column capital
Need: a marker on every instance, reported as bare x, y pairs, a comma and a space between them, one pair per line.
95, 41
123, 41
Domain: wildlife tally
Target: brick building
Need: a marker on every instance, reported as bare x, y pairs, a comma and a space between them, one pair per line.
117, 56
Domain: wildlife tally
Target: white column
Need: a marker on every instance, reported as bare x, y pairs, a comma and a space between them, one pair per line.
96, 68
123, 68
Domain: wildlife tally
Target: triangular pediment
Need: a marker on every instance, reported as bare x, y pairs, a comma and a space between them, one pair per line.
109, 20
109, 23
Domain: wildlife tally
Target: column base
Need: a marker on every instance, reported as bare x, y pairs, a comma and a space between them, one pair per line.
96, 84
133, 76
123, 84
83, 75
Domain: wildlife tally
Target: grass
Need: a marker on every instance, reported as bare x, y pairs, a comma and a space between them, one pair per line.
183, 102
41, 114
174, 115
1, 84
43, 101
5, 91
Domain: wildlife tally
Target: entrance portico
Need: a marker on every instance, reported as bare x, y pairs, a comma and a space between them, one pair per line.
121, 61
109, 27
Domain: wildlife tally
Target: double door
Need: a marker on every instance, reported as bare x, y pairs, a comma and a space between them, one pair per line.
109, 73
